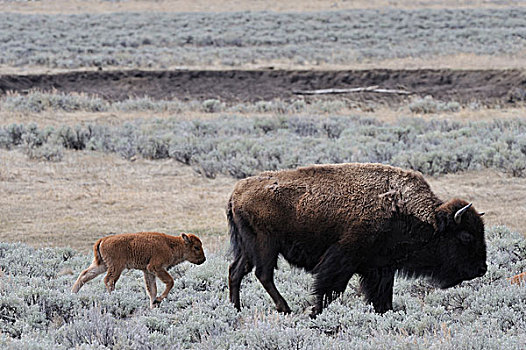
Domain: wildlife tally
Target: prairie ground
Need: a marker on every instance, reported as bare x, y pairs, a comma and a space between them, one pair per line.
53, 49
93, 6
113, 118
88, 195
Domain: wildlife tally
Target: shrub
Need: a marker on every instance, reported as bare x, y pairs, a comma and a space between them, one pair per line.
240, 146
345, 37
37, 309
37, 102
212, 106
429, 105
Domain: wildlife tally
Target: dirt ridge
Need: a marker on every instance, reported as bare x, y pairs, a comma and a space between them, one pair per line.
490, 87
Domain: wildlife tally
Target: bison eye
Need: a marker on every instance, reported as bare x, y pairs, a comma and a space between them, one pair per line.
196, 248
465, 237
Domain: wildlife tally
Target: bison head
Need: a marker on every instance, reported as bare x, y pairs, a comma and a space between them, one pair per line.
193, 249
461, 245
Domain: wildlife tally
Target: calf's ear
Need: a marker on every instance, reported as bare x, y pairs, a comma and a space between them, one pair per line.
186, 238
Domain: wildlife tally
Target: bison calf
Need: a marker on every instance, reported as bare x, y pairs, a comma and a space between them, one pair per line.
518, 279
335, 221
151, 252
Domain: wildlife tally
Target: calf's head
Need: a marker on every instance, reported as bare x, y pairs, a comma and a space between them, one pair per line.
193, 249
462, 248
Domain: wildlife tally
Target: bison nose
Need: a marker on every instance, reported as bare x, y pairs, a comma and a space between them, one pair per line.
482, 270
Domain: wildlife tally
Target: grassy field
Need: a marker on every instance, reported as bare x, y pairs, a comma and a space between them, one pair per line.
109, 6
170, 166
328, 39
88, 194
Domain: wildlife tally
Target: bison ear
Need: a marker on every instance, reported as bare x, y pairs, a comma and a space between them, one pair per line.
186, 238
450, 214
443, 219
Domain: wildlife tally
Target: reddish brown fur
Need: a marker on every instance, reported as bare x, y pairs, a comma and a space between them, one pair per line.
151, 252
518, 279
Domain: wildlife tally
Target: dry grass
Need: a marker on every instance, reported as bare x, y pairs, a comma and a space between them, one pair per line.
383, 113
96, 6
457, 61
87, 195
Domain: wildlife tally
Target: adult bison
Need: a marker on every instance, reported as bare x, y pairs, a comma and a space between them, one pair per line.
337, 220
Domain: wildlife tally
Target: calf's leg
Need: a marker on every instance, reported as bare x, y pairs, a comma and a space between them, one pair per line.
151, 287
166, 278
114, 272
87, 275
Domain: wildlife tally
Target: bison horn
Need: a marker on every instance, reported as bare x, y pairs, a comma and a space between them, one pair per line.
481, 213
458, 214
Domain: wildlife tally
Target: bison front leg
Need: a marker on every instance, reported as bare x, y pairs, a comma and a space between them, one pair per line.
377, 284
332, 274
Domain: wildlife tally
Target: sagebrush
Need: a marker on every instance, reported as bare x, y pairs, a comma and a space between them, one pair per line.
239, 146
37, 309
161, 40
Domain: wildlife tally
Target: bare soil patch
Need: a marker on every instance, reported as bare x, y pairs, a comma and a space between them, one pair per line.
490, 87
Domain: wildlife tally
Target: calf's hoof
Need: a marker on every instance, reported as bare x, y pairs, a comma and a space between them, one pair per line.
155, 303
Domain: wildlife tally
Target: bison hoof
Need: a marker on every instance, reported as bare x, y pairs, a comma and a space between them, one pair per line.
315, 312
285, 310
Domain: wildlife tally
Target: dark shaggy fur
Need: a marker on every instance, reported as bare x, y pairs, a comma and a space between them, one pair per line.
338, 220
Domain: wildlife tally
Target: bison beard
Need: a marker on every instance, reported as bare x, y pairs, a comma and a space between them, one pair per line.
387, 221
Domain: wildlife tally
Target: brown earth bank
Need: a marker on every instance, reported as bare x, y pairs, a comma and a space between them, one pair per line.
488, 87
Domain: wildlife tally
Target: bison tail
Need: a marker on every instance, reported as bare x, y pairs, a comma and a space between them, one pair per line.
240, 234
96, 252
235, 239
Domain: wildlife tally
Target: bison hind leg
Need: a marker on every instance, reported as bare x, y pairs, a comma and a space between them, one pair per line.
87, 275
332, 274
237, 270
377, 284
